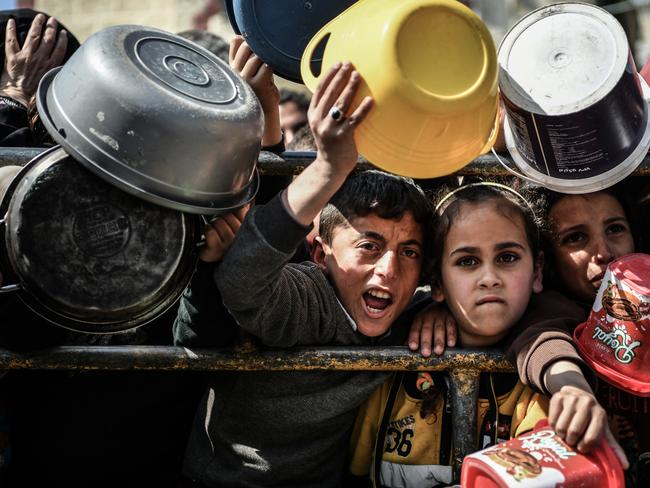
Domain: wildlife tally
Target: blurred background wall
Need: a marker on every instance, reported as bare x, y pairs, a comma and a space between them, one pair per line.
83, 17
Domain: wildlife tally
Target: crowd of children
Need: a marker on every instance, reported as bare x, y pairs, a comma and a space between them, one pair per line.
335, 259
515, 268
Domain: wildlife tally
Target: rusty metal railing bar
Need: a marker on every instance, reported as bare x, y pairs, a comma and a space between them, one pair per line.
464, 366
171, 358
18, 156
487, 165
290, 163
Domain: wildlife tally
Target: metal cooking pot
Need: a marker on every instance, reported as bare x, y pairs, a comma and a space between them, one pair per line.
87, 256
157, 116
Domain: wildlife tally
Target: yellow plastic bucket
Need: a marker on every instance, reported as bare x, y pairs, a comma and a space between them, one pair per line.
430, 66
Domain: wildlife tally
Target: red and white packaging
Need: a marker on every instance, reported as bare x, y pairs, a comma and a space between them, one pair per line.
614, 340
540, 459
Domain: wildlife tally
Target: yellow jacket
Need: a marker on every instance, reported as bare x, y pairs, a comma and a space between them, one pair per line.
417, 450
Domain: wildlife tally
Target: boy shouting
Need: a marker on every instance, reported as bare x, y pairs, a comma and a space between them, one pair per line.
292, 429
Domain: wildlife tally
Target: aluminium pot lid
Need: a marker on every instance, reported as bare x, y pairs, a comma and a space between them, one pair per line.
157, 116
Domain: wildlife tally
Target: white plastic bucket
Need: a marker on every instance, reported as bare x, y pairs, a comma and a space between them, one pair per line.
577, 117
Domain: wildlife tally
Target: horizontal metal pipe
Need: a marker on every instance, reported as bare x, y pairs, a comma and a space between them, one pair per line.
291, 163
247, 358
18, 156
487, 165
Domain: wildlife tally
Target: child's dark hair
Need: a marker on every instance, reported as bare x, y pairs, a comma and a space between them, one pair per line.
378, 193
450, 202
303, 140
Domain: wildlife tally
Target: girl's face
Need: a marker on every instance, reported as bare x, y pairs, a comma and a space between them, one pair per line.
589, 231
488, 272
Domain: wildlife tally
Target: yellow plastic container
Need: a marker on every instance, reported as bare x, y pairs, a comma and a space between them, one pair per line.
431, 67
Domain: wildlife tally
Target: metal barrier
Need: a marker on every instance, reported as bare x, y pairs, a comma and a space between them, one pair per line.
292, 163
464, 366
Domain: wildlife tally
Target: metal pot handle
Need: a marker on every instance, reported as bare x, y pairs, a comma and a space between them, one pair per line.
513, 171
12, 287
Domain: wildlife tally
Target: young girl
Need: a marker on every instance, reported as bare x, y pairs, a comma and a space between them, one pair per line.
487, 264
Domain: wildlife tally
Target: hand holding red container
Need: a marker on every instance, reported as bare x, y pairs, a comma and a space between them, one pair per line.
541, 459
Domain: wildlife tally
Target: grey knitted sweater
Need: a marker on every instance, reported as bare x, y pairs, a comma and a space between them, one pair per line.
283, 429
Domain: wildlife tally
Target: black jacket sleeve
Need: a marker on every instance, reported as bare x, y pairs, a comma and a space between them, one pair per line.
14, 124
202, 319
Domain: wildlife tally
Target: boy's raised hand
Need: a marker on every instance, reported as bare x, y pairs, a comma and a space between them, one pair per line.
333, 129
260, 78
219, 235
433, 325
334, 135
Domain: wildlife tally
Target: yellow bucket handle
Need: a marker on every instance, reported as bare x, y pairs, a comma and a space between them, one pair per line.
495, 130
305, 63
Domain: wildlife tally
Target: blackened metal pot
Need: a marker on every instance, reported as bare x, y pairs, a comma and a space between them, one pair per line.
87, 256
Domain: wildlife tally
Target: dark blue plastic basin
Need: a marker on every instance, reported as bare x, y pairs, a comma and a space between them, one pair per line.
278, 31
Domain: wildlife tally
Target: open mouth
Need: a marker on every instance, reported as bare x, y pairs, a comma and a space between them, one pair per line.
377, 301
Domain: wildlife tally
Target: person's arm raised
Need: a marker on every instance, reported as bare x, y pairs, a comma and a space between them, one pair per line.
24, 67
334, 135
285, 305
260, 78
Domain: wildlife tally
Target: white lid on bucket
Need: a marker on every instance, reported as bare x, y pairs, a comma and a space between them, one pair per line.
562, 58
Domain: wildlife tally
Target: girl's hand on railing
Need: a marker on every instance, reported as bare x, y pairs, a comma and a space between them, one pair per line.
433, 325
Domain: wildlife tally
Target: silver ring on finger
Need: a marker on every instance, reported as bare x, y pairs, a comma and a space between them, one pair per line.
336, 114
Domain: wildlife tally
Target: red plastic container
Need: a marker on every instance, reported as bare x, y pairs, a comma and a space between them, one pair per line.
540, 459
614, 339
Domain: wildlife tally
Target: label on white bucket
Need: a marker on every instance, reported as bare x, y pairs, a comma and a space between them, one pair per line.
577, 112
586, 143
